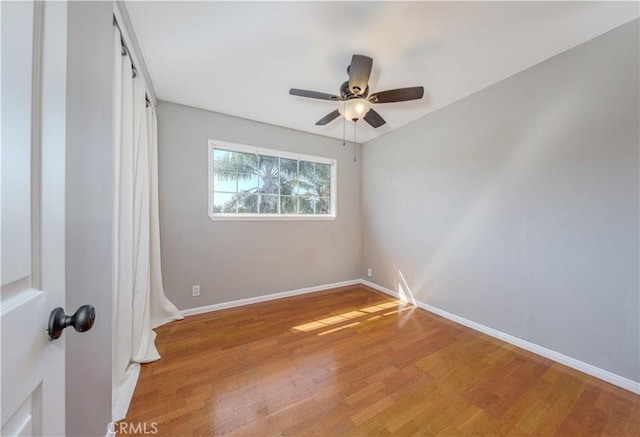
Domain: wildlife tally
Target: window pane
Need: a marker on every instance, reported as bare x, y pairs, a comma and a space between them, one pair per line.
287, 187
306, 205
268, 204
323, 172
314, 179
288, 205
268, 168
288, 175
322, 188
289, 168
225, 181
224, 202
247, 162
248, 203
224, 160
268, 164
307, 169
308, 179
323, 205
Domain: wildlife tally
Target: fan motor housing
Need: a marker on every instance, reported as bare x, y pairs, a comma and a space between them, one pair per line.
346, 93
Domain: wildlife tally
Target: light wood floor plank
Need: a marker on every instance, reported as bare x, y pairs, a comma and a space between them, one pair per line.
353, 361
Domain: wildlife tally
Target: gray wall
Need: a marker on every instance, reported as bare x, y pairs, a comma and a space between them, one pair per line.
517, 207
89, 210
241, 259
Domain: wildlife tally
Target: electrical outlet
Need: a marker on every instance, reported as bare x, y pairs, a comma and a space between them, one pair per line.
369, 272
195, 291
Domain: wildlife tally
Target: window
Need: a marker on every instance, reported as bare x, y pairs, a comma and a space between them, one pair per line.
254, 183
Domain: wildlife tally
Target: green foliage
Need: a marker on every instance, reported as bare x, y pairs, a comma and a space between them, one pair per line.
248, 183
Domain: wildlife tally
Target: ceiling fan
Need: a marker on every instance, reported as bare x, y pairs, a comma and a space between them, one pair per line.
354, 95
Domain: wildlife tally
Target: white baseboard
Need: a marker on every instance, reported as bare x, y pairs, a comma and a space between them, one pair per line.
589, 369
250, 300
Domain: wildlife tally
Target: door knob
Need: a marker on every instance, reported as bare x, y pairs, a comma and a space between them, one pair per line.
82, 320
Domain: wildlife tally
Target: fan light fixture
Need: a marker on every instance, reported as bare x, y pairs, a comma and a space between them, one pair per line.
355, 100
354, 109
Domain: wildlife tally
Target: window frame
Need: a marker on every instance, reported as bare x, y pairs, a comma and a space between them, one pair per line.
235, 147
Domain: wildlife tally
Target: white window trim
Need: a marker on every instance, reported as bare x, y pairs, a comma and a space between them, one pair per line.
216, 144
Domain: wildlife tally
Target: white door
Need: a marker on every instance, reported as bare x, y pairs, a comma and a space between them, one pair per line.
33, 221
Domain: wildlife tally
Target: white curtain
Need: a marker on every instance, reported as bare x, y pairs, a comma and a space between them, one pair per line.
139, 301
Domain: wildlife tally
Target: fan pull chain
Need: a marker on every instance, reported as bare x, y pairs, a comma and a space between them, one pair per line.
355, 129
344, 127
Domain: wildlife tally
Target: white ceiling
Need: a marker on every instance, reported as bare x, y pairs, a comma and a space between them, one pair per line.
241, 58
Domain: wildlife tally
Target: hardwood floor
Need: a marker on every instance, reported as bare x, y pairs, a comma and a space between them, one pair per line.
352, 361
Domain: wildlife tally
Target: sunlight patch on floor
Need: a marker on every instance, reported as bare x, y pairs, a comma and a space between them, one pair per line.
380, 307
340, 328
327, 322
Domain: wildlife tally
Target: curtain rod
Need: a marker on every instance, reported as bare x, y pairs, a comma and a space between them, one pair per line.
125, 52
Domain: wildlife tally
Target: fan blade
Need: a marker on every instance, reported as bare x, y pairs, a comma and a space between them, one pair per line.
374, 119
398, 95
359, 72
313, 94
327, 118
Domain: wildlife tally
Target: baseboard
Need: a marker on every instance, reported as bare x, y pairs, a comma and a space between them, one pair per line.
589, 369
250, 300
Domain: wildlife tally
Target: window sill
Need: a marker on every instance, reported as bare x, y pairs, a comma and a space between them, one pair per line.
267, 217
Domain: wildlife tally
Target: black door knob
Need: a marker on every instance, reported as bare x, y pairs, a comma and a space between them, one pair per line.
82, 320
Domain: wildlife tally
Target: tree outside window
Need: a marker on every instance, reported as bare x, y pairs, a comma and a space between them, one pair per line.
247, 183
